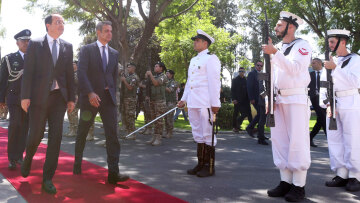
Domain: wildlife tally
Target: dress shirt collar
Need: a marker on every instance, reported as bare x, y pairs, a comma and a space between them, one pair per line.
50, 39
101, 45
21, 54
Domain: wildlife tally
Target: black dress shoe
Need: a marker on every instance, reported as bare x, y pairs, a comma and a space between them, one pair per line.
312, 144
25, 167
12, 165
48, 187
20, 161
262, 142
337, 181
296, 194
281, 190
114, 178
77, 169
250, 132
353, 185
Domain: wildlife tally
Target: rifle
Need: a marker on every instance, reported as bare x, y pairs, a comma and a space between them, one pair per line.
148, 91
329, 85
268, 78
214, 132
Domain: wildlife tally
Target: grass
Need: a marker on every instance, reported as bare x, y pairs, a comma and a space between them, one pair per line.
180, 123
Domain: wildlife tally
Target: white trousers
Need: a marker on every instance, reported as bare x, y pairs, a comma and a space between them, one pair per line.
291, 142
344, 144
201, 127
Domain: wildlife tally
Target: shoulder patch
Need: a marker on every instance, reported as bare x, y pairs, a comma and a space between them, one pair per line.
303, 51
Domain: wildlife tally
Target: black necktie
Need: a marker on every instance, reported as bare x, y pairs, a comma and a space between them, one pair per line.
104, 59
318, 80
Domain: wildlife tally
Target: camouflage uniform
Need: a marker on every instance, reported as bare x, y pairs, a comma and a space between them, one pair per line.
170, 103
130, 103
158, 106
3, 113
146, 109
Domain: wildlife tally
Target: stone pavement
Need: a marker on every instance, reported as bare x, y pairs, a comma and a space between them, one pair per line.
244, 169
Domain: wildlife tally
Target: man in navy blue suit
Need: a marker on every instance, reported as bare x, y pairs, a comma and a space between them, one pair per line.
97, 74
12, 67
47, 90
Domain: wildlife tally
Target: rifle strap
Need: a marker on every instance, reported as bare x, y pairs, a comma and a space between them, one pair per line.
345, 62
209, 116
287, 51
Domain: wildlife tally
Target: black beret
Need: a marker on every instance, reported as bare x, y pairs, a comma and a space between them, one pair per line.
170, 71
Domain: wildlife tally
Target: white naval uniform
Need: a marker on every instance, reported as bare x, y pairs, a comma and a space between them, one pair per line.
290, 136
202, 91
344, 143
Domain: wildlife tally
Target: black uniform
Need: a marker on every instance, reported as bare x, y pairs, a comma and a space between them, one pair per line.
10, 86
239, 93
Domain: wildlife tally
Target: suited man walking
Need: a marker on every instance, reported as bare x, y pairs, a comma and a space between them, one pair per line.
47, 90
314, 86
98, 73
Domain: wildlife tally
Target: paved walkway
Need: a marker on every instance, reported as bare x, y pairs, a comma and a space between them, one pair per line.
244, 169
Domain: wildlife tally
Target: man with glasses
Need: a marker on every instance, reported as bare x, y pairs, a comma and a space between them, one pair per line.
48, 85
11, 73
240, 100
254, 86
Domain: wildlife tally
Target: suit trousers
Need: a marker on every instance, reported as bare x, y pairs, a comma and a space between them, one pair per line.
53, 112
344, 144
320, 118
18, 130
108, 114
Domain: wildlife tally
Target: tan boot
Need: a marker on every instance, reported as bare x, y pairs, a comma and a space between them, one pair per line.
157, 140
169, 134
152, 140
148, 131
131, 137
71, 133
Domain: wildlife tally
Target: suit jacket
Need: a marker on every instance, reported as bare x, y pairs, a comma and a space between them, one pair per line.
10, 90
39, 72
239, 90
253, 86
312, 85
91, 75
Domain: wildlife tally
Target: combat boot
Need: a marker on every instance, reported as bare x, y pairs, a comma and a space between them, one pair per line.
90, 135
152, 140
209, 162
131, 137
148, 131
169, 134
157, 140
200, 164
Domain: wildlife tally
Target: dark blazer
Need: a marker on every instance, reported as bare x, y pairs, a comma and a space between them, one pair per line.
91, 75
239, 90
10, 90
312, 85
253, 86
39, 72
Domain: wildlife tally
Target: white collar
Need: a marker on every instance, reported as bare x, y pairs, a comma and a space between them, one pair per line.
203, 52
101, 45
51, 39
22, 54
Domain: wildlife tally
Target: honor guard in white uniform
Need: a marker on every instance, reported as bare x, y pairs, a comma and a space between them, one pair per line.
202, 96
344, 143
290, 136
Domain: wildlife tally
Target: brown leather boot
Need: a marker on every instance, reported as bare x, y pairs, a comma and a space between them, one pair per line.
200, 164
209, 162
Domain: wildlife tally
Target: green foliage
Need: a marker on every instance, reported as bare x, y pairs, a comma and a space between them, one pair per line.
224, 116
227, 93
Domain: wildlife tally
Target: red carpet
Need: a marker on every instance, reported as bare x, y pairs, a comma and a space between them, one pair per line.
88, 187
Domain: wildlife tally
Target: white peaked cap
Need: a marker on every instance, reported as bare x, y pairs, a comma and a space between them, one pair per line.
338, 33
203, 35
291, 18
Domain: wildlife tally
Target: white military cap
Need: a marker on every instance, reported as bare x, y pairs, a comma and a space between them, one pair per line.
203, 35
338, 33
291, 18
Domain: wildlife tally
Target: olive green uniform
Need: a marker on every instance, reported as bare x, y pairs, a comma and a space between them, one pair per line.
170, 103
130, 102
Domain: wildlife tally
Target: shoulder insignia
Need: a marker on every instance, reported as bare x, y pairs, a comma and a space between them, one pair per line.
303, 51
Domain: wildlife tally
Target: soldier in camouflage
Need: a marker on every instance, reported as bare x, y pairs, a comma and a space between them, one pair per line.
171, 101
73, 116
145, 106
157, 100
130, 82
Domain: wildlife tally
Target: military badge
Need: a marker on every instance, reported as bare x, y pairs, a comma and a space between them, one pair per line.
15, 64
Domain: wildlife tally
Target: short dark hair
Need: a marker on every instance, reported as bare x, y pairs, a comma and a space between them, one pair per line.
101, 24
317, 59
48, 20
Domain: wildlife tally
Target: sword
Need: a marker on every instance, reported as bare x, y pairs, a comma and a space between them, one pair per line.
173, 109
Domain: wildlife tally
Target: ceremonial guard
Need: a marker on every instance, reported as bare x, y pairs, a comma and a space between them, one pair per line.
202, 96
290, 136
10, 84
171, 101
157, 100
344, 143
130, 83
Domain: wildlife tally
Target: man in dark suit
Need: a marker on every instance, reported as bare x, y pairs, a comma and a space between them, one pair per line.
10, 83
47, 90
240, 100
97, 73
254, 95
314, 97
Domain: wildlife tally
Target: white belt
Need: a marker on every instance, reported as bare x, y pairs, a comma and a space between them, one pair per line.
293, 91
346, 93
